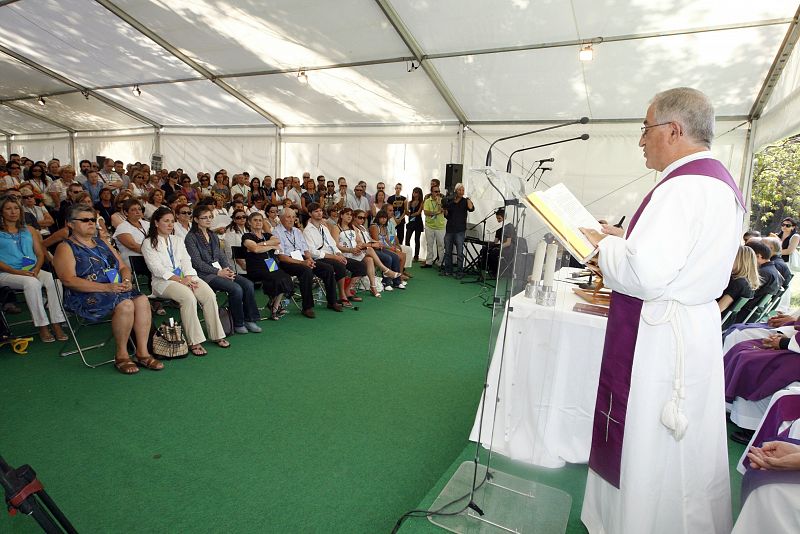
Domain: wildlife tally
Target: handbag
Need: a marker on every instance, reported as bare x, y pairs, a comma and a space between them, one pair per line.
794, 261
168, 343
226, 319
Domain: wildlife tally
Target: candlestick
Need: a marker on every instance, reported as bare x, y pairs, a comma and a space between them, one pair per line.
550, 264
538, 262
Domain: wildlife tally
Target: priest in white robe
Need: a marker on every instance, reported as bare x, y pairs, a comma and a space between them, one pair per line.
659, 460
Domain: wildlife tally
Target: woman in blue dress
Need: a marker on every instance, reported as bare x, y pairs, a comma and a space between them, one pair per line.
98, 284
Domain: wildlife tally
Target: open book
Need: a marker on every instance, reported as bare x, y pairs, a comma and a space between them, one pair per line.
564, 214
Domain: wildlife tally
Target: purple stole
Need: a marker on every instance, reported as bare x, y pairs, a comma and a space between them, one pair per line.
753, 372
786, 408
614, 386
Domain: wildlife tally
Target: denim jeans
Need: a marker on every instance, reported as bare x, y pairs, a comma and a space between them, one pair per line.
449, 240
241, 298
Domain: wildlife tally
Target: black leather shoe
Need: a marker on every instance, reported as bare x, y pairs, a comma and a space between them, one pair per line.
335, 307
742, 436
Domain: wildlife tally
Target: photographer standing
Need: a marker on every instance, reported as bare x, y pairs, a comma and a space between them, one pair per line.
455, 210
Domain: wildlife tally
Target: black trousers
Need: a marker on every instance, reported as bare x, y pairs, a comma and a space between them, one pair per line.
401, 230
305, 277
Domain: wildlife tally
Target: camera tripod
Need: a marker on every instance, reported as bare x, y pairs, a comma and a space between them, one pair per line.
24, 493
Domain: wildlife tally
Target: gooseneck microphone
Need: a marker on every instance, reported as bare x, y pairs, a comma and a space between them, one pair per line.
582, 120
583, 137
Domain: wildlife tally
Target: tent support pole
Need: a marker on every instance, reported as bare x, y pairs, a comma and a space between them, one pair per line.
71, 148
278, 152
157, 140
8, 145
746, 179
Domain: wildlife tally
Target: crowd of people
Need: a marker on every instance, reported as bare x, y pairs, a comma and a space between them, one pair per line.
94, 229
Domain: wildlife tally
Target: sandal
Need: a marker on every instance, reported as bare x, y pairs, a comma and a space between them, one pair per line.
198, 350
388, 273
346, 303
222, 343
126, 366
374, 291
149, 363
355, 298
47, 339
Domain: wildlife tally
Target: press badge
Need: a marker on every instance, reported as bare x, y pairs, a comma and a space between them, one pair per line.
216, 265
112, 275
178, 272
272, 265
28, 263
297, 255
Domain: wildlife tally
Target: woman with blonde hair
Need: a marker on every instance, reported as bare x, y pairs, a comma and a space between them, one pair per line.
744, 278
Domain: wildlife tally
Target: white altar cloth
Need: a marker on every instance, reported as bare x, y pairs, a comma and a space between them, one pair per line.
550, 373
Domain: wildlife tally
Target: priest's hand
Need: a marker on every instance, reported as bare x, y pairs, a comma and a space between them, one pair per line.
781, 319
610, 229
772, 342
593, 236
775, 456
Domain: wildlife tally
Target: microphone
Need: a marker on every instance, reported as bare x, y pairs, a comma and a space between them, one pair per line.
548, 160
582, 120
545, 169
619, 224
583, 137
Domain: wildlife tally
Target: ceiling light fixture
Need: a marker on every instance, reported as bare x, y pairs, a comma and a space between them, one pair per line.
41, 101
302, 77
137, 91
85, 94
412, 66
586, 53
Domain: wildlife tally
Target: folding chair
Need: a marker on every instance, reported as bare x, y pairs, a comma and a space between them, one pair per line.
733, 311
758, 309
140, 270
80, 324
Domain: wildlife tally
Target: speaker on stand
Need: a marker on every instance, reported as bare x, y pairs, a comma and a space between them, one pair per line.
452, 175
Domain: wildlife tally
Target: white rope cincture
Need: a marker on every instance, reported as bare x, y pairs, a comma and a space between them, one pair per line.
672, 415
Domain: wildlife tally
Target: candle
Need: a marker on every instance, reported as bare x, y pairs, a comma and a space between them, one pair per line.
538, 262
550, 264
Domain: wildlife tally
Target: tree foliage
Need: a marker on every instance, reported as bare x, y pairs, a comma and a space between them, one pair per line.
776, 185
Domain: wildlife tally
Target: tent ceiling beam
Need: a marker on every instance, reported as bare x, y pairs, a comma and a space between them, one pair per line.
163, 43
6, 2
7, 134
741, 118
611, 39
775, 70
66, 81
411, 43
42, 118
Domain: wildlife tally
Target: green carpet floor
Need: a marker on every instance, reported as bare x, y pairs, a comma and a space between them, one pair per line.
338, 424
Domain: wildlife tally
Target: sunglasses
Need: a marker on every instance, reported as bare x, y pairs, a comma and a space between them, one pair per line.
185, 212
787, 225
26, 197
359, 217
86, 219
239, 217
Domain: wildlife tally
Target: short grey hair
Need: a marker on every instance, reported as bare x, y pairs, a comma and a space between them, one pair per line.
77, 209
689, 107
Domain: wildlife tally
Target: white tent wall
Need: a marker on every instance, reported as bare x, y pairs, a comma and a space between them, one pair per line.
193, 151
781, 116
42, 147
411, 156
128, 148
606, 173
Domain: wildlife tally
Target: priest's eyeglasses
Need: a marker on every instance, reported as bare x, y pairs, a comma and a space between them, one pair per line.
645, 128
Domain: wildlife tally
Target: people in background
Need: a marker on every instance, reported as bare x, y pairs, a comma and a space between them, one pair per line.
183, 222
415, 224
399, 207
744, 279
770, 279
455, 231
434, 228
22, 256
213, 267
262, 266
98, 284
130, 234
175, 278
789, 237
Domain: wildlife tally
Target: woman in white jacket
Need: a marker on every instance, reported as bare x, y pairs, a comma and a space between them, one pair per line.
175, 278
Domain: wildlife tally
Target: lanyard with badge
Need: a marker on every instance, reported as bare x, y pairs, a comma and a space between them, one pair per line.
324, 239
27, 262
177, 271
109, 271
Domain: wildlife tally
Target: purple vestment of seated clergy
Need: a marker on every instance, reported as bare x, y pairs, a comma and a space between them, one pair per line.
753, 372
614, 385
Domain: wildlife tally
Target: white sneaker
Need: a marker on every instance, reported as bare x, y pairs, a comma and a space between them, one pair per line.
401, 285
241, 330
388, 288
252, 327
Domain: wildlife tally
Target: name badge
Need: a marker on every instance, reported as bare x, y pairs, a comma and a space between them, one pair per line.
28, 263
272, 265
297, 255
216, 265
178, 272
112, 275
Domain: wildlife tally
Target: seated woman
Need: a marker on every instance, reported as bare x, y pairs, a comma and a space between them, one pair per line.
233, 238
43, 218
744, 279
175, 278
257, 192
184, 222
154, 201
333, 213
118, 217
138, 187
188, 191
353, 247
23, 255
260, 246
386, 261
379, 233
213, 267
105, 205
279, 194
130, 234
97, 284
204, 186
272, 221
221, 217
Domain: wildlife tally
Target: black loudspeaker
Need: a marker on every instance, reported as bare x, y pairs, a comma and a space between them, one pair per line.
452, 176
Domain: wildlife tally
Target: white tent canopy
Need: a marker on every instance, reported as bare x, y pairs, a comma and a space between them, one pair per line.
387, 89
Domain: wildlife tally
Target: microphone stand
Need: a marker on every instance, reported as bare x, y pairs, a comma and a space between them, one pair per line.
583, 137
481, 279
582, 120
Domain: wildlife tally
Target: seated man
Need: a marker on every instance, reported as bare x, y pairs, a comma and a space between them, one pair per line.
323, 249
771, 279
754, 371
501, 251
770, 496
296, 260
98, 284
